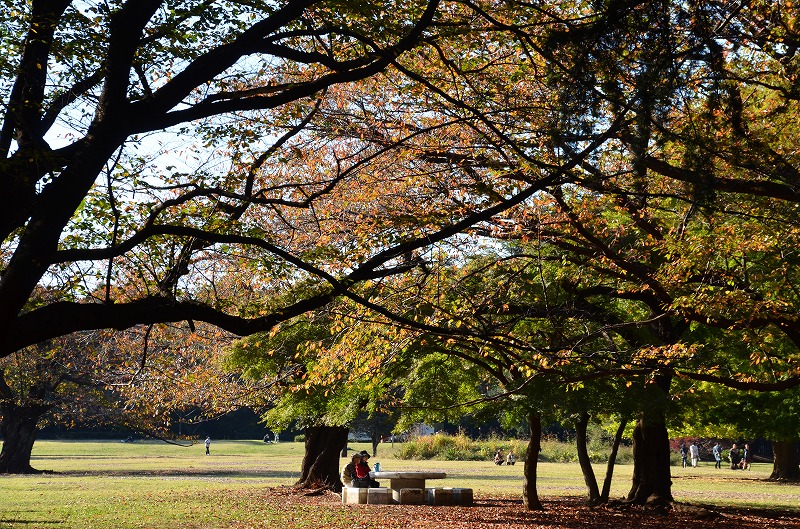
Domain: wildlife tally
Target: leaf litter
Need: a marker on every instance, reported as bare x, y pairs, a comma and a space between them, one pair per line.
509, 513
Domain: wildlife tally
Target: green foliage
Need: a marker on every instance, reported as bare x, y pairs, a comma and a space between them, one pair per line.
445, 447
586, 198
462, 448
435, 387
710, 410
298, 389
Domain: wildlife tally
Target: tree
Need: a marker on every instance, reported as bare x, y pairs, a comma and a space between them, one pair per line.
141, 380
121, 230
623, 140
19, 416
632, 69
437, 377
130, 224
659, 185
296, 390
50, 380
378, 424
85, 187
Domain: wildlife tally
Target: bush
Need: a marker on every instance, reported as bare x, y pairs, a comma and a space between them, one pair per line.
558, 452
300, 438
436, 446
462, 448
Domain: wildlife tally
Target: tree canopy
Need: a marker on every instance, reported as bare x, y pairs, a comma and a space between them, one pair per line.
130, 180
560, 191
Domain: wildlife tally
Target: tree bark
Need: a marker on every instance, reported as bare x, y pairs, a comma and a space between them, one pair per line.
785, 465
321, 460
583, 458
612, 460
652, 481
376, 440
19, 433
530, 496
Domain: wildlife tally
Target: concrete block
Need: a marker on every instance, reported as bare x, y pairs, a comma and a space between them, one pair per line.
439, 496
354, 495
429, 495
460, 496
409, 496
379, 496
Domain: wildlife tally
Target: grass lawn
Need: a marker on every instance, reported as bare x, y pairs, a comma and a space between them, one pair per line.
158, 486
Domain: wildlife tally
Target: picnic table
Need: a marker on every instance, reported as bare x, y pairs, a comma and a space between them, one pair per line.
407, 487
407, 479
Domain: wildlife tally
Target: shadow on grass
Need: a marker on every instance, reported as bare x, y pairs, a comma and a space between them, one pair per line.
34, 523
185, 473
483, 477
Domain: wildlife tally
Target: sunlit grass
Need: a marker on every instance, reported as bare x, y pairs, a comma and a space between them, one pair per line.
159, 486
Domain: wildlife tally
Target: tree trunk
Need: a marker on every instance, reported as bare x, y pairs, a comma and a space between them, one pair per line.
612, 460
785, 465
321, 460
530, 497
584, 460
19, 433
652, 481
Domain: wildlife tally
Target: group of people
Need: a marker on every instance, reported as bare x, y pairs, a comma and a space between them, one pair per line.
356, 472
738, 459
692, 452
510, 459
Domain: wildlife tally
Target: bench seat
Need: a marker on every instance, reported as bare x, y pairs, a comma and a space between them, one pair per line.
373, 495
448, 496
408, 496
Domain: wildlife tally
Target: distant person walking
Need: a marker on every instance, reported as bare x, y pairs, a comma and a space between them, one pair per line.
208, 445
684, 454
694, 453
717, 452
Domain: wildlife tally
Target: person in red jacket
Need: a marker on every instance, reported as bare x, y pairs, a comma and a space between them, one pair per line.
362, 473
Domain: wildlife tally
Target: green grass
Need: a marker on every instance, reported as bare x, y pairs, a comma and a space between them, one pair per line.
159, 486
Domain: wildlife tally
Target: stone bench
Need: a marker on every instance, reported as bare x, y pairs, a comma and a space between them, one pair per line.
448, 496
373, 496
407, 496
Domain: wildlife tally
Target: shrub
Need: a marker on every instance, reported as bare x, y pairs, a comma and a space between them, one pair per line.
462, 448
558, 452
